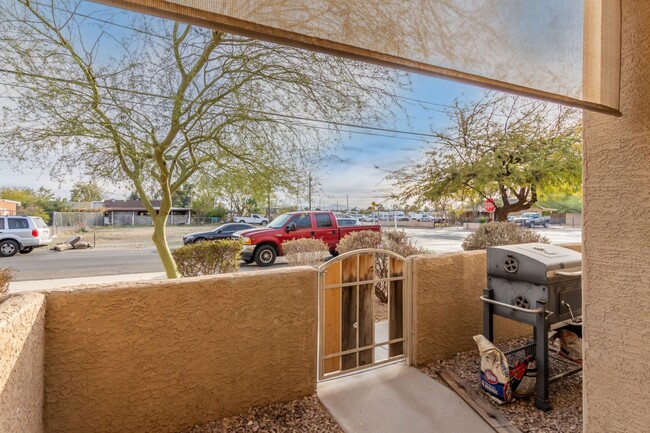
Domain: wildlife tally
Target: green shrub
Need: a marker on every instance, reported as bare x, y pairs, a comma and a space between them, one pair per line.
208, 258
498, 233
396, 241
305, 251
483, 220
5, 279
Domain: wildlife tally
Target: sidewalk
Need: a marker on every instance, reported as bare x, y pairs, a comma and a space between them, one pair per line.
396, 399
25, 286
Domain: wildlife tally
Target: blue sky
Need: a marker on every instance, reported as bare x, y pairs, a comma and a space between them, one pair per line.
361, 162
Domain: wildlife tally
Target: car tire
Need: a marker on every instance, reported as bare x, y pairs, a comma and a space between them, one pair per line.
546, 224
242, 222
264, 222
264, 256
199, 240
26, 250
531, 225
9, 248
334, 253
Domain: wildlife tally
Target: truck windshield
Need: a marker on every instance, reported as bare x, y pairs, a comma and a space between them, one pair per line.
280, 221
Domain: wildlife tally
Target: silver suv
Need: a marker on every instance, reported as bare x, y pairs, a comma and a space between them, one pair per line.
22, 234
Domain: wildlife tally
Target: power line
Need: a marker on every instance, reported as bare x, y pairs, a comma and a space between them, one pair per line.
268, 113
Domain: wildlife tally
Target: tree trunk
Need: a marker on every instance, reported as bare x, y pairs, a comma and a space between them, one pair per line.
159, 239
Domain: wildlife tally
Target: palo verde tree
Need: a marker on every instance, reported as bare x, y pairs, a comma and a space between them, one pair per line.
151, 103
501, 146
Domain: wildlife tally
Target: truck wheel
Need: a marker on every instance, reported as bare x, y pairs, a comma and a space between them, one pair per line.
531, 225
265, 256
545, 224
8, 248
26, 250
242, 222
263, 223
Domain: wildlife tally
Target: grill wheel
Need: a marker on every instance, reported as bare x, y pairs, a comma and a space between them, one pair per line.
522, 302
511, 265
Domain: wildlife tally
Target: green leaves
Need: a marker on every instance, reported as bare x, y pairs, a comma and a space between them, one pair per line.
503, 146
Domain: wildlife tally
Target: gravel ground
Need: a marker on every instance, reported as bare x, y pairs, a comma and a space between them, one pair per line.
304, 415
565, 394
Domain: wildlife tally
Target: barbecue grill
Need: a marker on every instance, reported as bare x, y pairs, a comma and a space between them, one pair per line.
537, 284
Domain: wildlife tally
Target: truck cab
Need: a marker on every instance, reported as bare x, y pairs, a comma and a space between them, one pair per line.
264, 245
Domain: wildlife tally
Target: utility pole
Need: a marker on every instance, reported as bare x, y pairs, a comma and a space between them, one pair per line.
309, 191
347, 203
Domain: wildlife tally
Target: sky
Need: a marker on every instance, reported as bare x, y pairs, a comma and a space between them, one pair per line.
355, 172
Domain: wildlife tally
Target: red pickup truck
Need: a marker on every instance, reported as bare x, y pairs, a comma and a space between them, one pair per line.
263, 245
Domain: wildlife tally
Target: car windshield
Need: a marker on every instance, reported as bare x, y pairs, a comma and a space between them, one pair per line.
280, 221
529, 215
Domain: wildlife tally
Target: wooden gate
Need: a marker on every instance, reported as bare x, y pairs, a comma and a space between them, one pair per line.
358, 330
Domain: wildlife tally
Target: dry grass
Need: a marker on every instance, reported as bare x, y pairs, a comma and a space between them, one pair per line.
5, 279
135, 237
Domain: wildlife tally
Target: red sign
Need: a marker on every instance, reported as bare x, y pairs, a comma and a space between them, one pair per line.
489, 205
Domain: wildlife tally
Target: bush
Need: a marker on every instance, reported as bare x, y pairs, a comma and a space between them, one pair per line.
5, 279
208, 258
305, 251
396, 241
358, 241
498, 233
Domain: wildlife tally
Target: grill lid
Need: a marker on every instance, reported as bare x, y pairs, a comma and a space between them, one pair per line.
531, 262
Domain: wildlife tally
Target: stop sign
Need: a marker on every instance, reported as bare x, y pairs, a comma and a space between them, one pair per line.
489, 205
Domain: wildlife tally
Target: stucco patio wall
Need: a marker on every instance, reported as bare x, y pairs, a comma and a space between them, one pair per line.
447, 308
164, 356
616, 299
22, 334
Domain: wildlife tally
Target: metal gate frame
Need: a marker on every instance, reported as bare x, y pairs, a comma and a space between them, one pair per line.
323, 287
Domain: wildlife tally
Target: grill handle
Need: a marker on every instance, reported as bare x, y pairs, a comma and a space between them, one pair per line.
513, 307
569, 274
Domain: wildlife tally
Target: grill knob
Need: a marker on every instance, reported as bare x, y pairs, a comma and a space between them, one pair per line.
511, 265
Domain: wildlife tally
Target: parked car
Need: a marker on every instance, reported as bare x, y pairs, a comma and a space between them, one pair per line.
222, 232
21, 234
263, 245
345, 222
532, 219
253, 219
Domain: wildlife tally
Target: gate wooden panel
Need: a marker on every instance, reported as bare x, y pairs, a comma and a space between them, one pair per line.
350, 337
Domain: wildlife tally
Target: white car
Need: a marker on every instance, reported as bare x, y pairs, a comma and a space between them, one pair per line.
253, 219
21, 234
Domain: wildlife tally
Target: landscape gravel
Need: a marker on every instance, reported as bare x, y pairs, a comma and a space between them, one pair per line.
565, 395
304, 415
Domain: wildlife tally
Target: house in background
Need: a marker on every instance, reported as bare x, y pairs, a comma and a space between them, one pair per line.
8, 207
133, 212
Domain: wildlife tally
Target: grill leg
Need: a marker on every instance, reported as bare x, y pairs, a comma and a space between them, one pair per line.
488, 316
541, 354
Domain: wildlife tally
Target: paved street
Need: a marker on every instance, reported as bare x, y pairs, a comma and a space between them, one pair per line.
44, 264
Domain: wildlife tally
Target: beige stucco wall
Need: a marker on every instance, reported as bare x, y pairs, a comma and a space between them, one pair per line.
617, 244
447, 308
22, 320
159, 357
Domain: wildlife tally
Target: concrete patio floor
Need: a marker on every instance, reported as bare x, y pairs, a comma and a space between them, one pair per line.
397, 399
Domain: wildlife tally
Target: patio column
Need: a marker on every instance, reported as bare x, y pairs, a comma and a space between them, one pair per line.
616, 253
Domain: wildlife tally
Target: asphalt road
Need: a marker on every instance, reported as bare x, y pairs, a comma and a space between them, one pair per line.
45, 264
